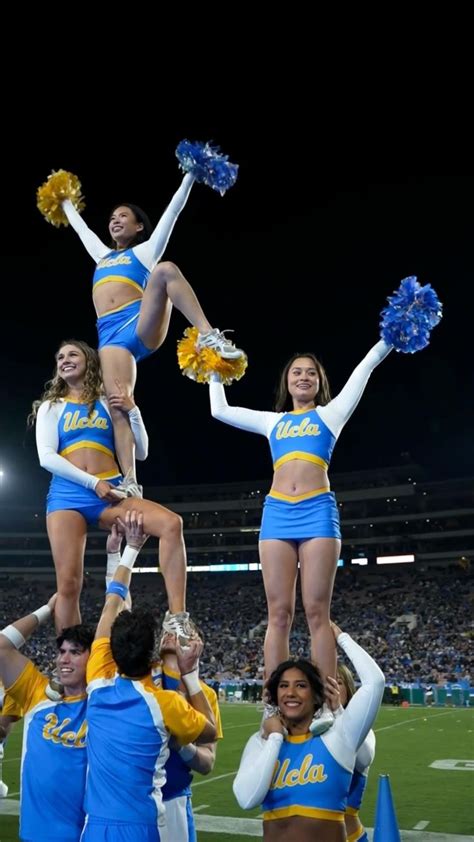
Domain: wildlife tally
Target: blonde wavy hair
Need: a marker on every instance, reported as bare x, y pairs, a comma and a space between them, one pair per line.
57, 388
347, 679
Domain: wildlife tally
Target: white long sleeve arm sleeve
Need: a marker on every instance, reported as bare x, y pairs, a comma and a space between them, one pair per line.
149, 253
47, 443
359, 715
338, 411
251, 420
139, 433
256, 770
96, 248
366, 753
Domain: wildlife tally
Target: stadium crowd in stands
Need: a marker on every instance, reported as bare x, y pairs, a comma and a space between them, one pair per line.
416, 624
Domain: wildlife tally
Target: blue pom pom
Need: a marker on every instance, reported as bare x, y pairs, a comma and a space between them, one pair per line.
207, 165
412, 312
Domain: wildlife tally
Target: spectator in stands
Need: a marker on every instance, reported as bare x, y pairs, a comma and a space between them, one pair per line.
369, 600
302, 780
429, 695
300, 518
54, 734
129, 719
395, 695
75, 440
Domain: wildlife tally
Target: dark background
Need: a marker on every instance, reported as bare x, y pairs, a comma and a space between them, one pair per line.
299, 255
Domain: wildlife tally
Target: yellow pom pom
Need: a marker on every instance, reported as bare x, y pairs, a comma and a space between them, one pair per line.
200, 364
60, 185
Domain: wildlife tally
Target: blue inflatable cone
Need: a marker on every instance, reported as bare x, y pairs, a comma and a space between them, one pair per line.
386, 825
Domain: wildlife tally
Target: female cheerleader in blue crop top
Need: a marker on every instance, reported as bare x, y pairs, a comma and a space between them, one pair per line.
133, 296
75, 441
364, 759
302, 781
300, 517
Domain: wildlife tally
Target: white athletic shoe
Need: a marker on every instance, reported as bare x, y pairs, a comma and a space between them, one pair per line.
3, 790
322, 721
128, 487
54, 689
216, 340
270, 710
180, 625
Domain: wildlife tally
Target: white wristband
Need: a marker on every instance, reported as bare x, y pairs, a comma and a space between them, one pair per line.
187, 753
42, 614
191, 682
14, 636
129, 557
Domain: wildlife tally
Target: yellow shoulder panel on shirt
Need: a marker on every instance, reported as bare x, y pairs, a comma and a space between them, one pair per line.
211, 696
101, 663
182, 720
10, 707
28, 689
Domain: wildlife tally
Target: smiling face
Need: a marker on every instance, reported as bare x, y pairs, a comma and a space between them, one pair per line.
303, 381
71, 364
71, 662
124, 226
295, 696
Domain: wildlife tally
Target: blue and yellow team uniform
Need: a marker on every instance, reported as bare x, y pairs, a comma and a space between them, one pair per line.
301, 434
10, 707
307, 781
354, 800
129, 723
53, 763
119, 326
78, 429
179, 776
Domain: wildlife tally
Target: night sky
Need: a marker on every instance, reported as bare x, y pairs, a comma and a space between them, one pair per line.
295, 257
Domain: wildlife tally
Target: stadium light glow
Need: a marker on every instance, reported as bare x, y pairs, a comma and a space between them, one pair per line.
362, 562
208, 568
395, 559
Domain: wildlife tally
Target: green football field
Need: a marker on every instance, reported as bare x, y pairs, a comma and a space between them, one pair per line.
428, 753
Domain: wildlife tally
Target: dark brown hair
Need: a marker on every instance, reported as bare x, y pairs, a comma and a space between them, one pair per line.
140, 216
309, 671
283, 401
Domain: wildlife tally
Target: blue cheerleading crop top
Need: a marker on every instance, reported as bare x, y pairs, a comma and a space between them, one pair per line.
307, 775
121, 267
145, 255
364, 759
308, 434
78, 429
356, 791
301, 434
65, 426
307, 781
